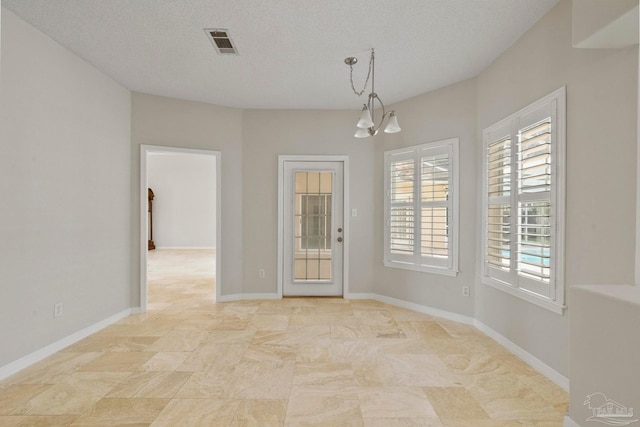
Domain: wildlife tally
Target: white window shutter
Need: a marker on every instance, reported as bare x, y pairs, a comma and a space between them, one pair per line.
523, 206
420, 207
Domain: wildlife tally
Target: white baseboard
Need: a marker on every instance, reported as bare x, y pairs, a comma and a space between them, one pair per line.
38, 355
243, 297
529, 358
568, 422
359, 295
185, 247
425, 309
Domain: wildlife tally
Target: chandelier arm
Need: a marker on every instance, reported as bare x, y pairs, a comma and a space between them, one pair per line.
373, 129
386, 114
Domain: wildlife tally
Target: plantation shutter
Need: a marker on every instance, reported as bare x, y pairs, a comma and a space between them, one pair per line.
534, 200
401, 219
420, 207
523, 202
435, 206
499, 157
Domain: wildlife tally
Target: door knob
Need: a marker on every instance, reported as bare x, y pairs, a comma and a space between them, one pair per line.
339, 239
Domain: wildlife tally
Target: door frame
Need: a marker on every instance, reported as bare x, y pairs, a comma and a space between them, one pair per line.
145, 150
281, 199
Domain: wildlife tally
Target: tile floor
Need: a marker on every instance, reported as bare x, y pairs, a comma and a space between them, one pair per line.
293, 362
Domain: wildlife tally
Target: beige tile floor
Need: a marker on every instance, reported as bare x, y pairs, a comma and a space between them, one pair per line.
293, 362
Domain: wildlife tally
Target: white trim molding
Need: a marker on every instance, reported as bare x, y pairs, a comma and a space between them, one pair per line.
537, 364
186, 247
38, 355
244, 297
415, 307
145, 150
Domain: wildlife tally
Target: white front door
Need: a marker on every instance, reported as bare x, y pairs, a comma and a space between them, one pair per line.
313, 228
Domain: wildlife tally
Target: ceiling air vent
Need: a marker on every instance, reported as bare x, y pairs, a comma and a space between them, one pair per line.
221, 41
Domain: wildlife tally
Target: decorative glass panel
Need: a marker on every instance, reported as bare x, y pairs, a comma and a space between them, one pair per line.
312, 225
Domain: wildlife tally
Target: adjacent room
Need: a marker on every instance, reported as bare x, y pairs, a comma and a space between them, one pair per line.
181, 215
337, 213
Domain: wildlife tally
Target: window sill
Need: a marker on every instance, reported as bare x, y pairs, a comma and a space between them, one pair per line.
545, 303
421, 268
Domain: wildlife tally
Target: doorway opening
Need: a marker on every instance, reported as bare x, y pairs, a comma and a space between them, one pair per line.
180, 228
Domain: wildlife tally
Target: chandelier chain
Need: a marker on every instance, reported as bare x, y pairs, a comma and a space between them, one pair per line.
366, 82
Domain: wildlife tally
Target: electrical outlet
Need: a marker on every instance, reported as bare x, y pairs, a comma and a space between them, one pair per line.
57, 310
261, 273
465, 291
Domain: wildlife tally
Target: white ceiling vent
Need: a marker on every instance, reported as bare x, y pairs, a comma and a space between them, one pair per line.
221, 41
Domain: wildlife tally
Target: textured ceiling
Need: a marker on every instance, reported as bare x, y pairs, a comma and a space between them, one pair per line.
291, 52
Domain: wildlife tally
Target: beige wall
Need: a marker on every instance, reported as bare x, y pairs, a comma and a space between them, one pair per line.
269, 133
184, 204
250, 143
64, 191
175, 123
601, 168
604, 23
442, 114
604, 347
637, 277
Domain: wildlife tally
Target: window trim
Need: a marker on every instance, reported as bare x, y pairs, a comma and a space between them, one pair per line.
557, 101
414, 152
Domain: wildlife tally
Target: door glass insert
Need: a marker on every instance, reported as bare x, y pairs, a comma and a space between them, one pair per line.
312, 224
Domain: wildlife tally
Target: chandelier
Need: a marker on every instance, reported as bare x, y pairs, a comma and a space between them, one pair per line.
367, 124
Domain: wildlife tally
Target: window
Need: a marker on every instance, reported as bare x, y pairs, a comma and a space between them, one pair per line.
421, 200
523, 200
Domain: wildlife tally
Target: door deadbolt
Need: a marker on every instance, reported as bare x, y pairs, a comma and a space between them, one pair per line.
339, 239
339, 229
